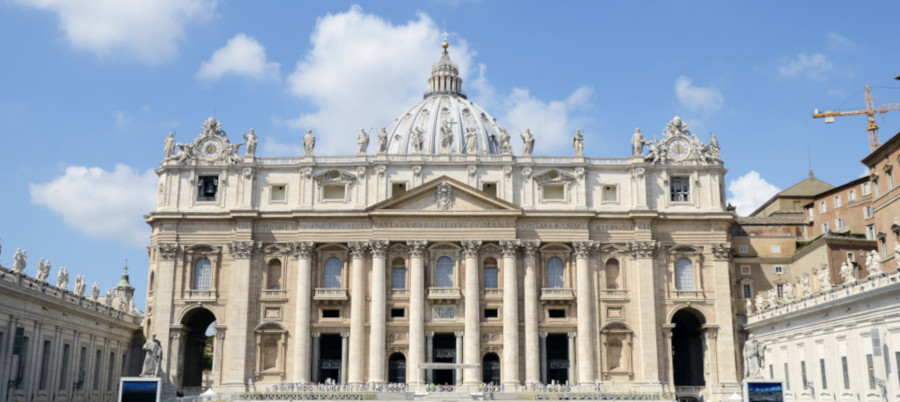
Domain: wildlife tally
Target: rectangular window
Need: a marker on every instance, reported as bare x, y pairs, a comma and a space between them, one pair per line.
839, 223
747, 293
610, 194
823, 207
331, 313
97, 363
867, 212
776, 249
279, 193
822, 370
680, 189
877, 190
23, 359
398, 312
867, 188
837, 202
556, 313
890, 175
745, 270
45, 366
851, 256
851, 196
109, 371
490, 277
810, 213
778, 269
803, 374
554, 192
825, 228
897, 360
787, 377
870, 232
207, 188
771, 372
870, 364
334, 192
398, 278
846, 372
489, 188
491, 313
64, 369
743, 249
780, 289
397, 188
82, 368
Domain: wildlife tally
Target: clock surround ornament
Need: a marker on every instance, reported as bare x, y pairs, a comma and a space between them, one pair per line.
210, 147
678, 146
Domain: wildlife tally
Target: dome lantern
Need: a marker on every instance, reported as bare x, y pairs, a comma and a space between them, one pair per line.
445, 77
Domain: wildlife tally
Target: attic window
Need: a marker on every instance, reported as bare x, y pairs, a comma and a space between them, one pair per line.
610, 194
207, 187
278, 193
554, 192
334, 192
398, 188
489, 188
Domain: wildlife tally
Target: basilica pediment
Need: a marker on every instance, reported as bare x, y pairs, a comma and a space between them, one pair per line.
445, 195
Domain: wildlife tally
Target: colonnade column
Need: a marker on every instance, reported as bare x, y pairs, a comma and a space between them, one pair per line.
727, 366
345, 336
543, 357
472, 336
163, 297
583, 300
667, 334
459, 353
376, 317
429, 353
416, 308
237, 338
315, 356
572, 360
510, 369
302, 253
356, 374
533, 351
644, 253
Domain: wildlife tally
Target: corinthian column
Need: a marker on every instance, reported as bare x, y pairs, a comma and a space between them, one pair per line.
416, 309
356, 372
472, 336
532, 340
510, 314
302, 253
644, 252
376, 317
583, 299
237, 313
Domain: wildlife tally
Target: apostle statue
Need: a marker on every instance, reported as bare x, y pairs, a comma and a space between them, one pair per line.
152, 357
416, 139
753, 357
772, 298
653, 154
714, 147
760, 303
471, 144
43, 270
637, 143
446, 136
309, 142
788, 291
824, 279
527, 142
847, 270
505, 146
95, 292
748, 306
578, 143
169, 147
108, 299
252, 140
79, 285
62, 278
362, 140
804, 285
382, 141
20, 259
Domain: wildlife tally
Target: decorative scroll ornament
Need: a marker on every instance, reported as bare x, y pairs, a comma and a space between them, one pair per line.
378, 247
211, 147
583, 248
416, 247
508, 247
358, 248
530, 247
471, 247
678, 146
243, 249
444, 196
167, 251
301, 249
721, 251
643, 249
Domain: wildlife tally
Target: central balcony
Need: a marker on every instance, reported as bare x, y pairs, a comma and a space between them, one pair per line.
331, 295
444, 295
557, 295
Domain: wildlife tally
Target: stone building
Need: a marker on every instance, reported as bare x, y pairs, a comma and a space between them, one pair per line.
444, 246
61, 345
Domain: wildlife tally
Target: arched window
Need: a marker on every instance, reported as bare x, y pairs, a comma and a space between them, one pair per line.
443, 277
490, 273
333, 268
273, 275
555, 273
398, 274
202, 274
152, 281
684, 275
614, 354
270, 354
612, 274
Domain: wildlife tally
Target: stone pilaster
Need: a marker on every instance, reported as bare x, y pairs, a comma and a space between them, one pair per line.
429, 353
710, 332
302, 255
416, 310
377, 314
510, 368
356, 372
727, 367
532, 348
238, 314
584, 300
164, 295
345, 340
670, 373
643, 253
472, 337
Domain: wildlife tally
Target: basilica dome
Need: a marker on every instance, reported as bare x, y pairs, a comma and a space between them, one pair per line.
445, 121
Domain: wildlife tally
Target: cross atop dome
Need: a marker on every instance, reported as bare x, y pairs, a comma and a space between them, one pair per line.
445, 75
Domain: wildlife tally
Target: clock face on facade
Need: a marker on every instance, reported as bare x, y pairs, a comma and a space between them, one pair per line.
210, 149
679, 149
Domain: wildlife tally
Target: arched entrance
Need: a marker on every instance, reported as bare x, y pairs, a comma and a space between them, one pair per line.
490, 369
198, 346
397, 368
687, 348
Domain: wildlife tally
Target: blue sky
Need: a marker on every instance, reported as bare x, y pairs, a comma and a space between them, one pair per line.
90, 88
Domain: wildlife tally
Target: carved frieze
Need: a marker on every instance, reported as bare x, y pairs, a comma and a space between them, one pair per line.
167, 251
397, 337
490, 337
721, 251
378, 247
301, 249
508, 247
416, 247
642, 249
243, 249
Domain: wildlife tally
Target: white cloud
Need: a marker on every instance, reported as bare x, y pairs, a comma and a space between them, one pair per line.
814, 66
837, 41
101, 203
551, 122
148, 31
749, 191
698, 99
242, 55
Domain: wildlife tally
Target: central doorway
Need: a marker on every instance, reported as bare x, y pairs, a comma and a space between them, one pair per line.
687, 349
198, 347
490, 369
557, 358
330, 358
397, 368
444, 351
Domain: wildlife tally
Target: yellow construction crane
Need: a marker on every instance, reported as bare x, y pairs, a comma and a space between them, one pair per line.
869, 112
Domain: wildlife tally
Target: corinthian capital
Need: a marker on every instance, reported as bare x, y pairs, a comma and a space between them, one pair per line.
471, 247
243, 249
642, 249
583, 248
358, 248
721, 251
508, 247
301, 249
530, 247
379, 247
416, 247
167, 251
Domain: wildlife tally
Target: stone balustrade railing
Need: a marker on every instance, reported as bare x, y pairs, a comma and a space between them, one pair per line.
557, 294
613, 293
352, 159
331, 294
444, 293
493, 293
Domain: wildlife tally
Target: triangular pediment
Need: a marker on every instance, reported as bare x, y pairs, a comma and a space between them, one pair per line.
445, 195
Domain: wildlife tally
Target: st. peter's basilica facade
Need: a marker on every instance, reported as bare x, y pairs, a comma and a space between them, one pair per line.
444, 246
